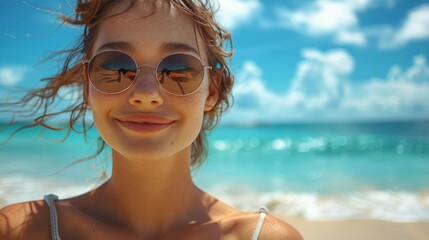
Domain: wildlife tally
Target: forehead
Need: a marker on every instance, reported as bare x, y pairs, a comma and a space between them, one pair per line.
148, 26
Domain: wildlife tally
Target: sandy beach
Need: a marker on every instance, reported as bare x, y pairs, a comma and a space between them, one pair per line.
360, 229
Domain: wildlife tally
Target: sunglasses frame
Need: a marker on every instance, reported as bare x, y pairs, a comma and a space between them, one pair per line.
154, 69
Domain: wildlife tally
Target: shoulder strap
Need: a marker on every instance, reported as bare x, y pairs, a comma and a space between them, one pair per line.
50, 200
263, 211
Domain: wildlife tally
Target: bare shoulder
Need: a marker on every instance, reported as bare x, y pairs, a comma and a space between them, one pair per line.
275, 228
272, 228
27, 220
237, 224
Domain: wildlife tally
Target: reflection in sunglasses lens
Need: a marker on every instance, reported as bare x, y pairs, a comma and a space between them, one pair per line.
180, 73
112, 72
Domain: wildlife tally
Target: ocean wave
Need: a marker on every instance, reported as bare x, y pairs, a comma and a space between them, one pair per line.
20, 188
376, 205
396, 206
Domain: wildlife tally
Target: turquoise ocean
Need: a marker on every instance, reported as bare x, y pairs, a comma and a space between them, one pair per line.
316, 171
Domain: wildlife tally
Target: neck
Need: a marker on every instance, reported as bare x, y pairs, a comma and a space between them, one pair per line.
152, 196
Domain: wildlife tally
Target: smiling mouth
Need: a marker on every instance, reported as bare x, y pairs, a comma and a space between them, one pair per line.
145, 126
145, 123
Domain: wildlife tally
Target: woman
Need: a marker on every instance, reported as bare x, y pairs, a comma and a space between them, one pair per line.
154, 75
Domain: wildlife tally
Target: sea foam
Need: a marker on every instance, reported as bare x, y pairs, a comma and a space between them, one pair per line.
396, 206
376, 205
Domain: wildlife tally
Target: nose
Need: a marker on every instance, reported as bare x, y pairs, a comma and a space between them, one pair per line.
146, 89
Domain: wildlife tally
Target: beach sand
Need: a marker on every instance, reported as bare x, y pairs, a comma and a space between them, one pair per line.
359, 229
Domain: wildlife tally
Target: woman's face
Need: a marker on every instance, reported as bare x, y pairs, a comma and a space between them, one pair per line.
145, 121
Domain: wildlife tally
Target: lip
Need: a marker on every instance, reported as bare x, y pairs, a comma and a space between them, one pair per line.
145, 122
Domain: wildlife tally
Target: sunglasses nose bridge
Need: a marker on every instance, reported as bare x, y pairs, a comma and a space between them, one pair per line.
146, 69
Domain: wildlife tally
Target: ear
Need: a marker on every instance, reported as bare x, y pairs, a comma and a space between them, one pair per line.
213, 96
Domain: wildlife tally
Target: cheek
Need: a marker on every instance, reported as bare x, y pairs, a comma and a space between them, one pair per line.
100, 105
193, 112
96, 108
196, 104
99, 101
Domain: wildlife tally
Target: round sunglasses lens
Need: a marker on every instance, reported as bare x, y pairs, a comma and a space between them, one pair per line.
180, 74
112, 71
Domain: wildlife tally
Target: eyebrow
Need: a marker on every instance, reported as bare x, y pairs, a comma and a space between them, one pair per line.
177, 47
117, 46
165, 47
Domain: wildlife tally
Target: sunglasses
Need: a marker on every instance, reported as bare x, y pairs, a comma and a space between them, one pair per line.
114, 71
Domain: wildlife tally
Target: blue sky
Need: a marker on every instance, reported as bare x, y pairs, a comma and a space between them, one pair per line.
295, 61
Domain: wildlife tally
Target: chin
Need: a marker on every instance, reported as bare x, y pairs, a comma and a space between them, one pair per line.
147, 152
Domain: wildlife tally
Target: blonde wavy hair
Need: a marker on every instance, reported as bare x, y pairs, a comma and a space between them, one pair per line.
89, 14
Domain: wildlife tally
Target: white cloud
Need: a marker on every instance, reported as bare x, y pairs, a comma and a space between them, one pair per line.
327, 18
415, 27
11, 75
336, 19
401, 94
321, 77
320, 91
251, 96
233, 13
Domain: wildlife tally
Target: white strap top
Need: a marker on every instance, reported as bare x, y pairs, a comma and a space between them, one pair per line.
263, 211
55, 235
50, 200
